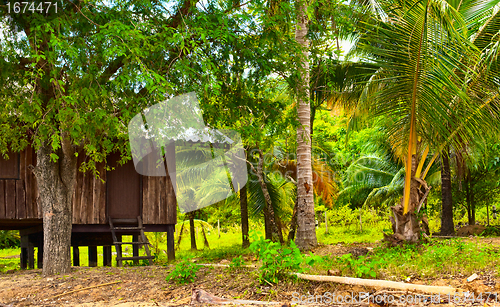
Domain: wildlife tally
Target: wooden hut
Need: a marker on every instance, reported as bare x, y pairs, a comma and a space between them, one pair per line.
121, 202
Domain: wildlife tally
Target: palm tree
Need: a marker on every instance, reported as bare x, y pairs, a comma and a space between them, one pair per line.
282, 194
481, 20
373, 180
306, 230
416, 45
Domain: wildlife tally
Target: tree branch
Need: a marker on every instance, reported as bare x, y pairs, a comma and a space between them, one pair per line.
111, 69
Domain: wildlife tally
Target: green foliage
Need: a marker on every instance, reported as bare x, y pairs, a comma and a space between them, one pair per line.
373, 180
491, 231
236, 264
8, 261
430, 259
9, 238
342, 215
277, 260
184, 272
361, 266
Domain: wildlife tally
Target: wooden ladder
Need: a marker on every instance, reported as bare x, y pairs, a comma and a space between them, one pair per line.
128, 227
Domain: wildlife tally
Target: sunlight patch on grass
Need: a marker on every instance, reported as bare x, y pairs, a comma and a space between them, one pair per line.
352, 233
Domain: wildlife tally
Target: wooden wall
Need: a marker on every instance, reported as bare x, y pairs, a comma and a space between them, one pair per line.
18, 192
89, 200
155, 200
18, 195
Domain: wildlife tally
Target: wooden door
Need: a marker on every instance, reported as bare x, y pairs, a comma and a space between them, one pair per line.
124, 186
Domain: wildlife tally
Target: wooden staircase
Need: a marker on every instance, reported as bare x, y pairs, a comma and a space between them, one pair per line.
129, 227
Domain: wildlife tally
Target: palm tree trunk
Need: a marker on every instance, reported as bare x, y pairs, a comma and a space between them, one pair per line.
267, 225
205, 242
408, 226
179, 238
244, 216
467, 199
447, 227
269, 211
306, 232
191, 230
293, 224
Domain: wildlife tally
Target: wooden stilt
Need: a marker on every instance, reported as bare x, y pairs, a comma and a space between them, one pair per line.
24, 258
170, 242
39, 262
76, 256
92, 256
31, 255
135, 248
106, 255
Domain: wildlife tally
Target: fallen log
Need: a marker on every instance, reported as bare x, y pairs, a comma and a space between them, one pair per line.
200, 296
219, 265
370, 282
380, 283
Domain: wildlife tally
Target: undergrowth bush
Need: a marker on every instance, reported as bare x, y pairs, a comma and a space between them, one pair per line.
430, 260
9, 238
277, 260
236, 264
491, 231
360, 267
184, 272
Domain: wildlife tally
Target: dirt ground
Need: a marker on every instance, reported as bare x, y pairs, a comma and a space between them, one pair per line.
146, 286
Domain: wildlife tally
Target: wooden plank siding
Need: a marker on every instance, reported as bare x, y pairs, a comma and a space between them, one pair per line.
2, 199
159, 204
19, 192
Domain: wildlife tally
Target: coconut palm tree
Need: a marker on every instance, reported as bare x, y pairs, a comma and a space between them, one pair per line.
282, 194
373, 180
306, 230
482, 21
418, 46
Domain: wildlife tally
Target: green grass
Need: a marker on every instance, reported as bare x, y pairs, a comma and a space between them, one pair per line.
228, 245
430, 260
436, 259
14, 263
9, 263
370, 233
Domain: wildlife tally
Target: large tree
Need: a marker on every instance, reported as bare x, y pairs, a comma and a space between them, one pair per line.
72, 79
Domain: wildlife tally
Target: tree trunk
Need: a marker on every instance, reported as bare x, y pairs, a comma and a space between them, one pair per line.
472, 221
244, 216
267, 225
293, 224
205, 240
468, 200
56, 183
447, 227
408, 227
306, 232
471, 202
191, 231
269, 211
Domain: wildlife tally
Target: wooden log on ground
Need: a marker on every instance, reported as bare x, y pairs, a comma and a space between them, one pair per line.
380, 283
